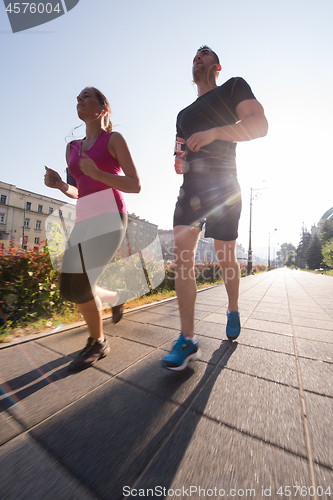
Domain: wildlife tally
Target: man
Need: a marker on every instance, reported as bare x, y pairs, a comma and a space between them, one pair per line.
207, 133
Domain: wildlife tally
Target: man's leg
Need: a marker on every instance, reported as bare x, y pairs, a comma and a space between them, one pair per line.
226, 254
186, 347
186, 239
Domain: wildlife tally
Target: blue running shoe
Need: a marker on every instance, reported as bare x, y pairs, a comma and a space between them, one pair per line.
233, 325
183, 351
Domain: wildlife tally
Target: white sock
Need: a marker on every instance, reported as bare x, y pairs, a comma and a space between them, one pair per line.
192, 339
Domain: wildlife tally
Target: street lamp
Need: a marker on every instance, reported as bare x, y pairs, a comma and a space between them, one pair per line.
249, 260
269, 249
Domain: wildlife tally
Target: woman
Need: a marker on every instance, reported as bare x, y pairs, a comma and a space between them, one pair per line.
94, 167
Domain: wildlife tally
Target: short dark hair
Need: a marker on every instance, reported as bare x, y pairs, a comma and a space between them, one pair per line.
205, 47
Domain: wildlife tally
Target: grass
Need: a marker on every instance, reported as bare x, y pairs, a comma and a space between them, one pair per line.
42, 324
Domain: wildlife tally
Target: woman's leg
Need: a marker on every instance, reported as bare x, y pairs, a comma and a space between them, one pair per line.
93, 317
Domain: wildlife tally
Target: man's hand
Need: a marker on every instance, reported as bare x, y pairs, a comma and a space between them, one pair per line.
181, 166
89, 167
201, 139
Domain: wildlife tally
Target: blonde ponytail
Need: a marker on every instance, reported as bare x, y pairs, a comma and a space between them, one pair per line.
107, 124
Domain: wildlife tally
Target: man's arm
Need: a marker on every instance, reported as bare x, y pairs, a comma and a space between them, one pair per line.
252, 124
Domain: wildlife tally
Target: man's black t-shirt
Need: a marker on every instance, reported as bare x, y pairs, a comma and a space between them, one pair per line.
216, 108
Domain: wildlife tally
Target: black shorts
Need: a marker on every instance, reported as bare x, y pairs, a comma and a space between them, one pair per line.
213, 199
87, 252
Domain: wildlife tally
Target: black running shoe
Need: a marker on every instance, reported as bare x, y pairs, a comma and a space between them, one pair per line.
93, 351
118, 309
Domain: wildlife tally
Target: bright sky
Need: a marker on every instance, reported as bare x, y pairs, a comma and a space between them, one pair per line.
140, 55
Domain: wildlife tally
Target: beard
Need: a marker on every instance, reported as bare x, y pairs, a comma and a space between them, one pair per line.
199, 72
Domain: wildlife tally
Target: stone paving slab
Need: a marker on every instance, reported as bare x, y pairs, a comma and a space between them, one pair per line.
266, 364
123, 352
269, 326
320, 411
147, 317
263, 409
266, 340
151, 335
234, 461
315, 350
313, 334
317, 376
179, 388
29, 472
41, 382
106, 438
9, 427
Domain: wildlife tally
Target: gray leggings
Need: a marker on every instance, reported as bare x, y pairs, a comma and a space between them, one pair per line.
89, 250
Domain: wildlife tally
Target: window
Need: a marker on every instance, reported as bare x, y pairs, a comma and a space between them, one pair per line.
50, 210
2, 218
40, 209
69, 215
27, 223
36, 241
135, 223
3, 199
28, 205
38, 225
60, 213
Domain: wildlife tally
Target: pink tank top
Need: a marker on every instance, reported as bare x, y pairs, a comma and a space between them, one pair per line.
104, 160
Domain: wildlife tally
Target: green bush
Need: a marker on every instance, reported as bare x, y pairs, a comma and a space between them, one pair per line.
29, 286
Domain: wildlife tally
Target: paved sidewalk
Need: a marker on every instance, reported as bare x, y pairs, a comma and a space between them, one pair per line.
251, 418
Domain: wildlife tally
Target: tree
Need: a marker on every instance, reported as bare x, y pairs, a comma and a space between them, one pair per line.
302, 247
284, 252
290, 260
313, 255
327, 252
327, 230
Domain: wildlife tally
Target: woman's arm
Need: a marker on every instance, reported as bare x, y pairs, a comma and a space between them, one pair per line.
53, 180
128, 183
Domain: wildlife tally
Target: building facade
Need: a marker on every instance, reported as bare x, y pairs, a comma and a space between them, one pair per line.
140, 233
23, 216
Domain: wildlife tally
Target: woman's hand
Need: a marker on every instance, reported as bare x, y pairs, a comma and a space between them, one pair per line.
52, 179
89, 167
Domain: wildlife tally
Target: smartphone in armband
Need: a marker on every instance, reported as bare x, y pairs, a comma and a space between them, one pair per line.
180, 147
